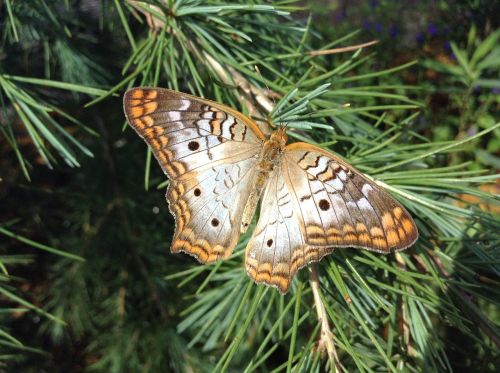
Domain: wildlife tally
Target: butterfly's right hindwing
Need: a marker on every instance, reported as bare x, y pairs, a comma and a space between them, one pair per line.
277, 248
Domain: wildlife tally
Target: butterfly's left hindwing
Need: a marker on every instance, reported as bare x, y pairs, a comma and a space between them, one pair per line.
209, 208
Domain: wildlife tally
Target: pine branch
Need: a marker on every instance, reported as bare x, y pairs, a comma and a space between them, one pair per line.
326, 341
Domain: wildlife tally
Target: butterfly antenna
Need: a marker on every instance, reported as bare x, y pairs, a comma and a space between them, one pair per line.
267, 87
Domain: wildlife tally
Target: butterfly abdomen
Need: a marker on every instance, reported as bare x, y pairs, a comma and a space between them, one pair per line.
269, 157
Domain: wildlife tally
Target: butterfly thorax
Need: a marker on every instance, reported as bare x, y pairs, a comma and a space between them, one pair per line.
269, 157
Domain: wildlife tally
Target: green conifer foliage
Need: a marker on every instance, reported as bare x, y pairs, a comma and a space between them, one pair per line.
87, 281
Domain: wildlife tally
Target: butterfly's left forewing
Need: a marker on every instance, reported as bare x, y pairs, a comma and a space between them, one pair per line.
188, 133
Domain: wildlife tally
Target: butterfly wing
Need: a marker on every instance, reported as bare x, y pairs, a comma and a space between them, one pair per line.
277, 246
209, 153
188, 133
208, 208
339, 206
321, 203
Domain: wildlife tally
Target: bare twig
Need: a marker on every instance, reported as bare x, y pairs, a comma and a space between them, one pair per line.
154, 23
326, 342
250, 94
341, 50
402, 316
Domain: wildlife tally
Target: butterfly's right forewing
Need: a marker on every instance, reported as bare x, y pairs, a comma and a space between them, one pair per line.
340, 207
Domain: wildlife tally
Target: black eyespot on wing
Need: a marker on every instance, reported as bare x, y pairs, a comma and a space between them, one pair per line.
193, 145
269, 242
324, 204
197, 192
215, 222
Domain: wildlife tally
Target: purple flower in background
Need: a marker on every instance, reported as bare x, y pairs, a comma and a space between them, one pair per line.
378, 27
432, 29
495, 90
447, 47
420, 38
341, 15
367, 25
393, 31
471, 131
373, 3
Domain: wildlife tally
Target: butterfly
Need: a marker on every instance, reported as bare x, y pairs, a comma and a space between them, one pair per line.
221, 166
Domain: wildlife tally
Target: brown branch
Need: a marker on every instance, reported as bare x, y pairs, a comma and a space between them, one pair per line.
250, 94
153, 22
326, 342
402, 316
